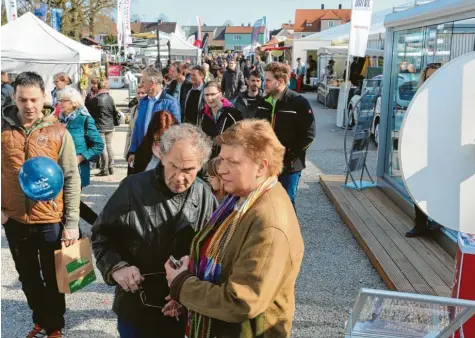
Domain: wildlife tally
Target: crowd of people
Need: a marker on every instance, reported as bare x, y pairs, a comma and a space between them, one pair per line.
214, 160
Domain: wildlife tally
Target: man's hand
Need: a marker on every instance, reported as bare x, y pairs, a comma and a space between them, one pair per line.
131, 160
172, 272
128, 277
80, 158
4, 218
70, 237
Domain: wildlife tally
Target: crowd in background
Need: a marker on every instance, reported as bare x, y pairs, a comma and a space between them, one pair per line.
235, 125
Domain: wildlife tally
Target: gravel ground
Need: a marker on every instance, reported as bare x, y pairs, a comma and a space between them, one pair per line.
333, 270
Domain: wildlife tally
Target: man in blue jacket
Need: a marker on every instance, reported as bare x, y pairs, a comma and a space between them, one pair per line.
157, 99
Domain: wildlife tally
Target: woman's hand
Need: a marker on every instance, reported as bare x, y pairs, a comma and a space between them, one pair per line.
80, 159
172, 272
172, 308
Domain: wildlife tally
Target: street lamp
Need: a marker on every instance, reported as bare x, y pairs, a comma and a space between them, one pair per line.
158, 63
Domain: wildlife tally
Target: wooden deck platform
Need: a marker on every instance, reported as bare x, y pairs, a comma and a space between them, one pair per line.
417, 265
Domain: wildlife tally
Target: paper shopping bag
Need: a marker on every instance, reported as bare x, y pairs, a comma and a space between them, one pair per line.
74, 269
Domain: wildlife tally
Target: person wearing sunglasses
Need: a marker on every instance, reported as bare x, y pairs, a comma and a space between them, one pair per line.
151, 216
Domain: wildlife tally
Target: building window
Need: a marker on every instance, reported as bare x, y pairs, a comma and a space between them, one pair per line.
303, 35
237, 37
237, 47
308, 25
331, 24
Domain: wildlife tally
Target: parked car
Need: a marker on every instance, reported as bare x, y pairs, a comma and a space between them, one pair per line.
407, 88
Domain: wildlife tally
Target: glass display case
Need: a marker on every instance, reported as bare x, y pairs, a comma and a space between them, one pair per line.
417, 39
413, 52
389, 314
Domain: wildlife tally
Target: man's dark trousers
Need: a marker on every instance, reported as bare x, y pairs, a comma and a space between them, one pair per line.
37, 274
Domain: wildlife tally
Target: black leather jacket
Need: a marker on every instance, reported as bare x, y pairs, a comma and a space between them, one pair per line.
294, 125
102, 109
141, 225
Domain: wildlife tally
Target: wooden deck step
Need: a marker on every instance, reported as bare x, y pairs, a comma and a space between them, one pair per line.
417, 265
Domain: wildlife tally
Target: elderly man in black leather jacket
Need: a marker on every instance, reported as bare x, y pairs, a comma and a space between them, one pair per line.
151, 216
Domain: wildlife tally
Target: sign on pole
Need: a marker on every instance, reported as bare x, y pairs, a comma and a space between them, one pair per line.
56, 18
360, 25
11, 10
41, 10
256, 30
198, 19
127, 35
120, 18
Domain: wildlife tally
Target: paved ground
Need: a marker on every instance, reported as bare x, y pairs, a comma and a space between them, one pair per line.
333, 271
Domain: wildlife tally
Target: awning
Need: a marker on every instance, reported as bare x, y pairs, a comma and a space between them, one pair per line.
343, 50
267, 49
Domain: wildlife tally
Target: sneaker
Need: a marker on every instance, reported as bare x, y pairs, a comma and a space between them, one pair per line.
55, 334
37, 332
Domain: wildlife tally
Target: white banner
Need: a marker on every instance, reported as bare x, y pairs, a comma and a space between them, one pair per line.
126, 25
360, 24
11, 10
198, 19
120, 18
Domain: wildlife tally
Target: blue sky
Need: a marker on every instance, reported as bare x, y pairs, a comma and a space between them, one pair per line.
216, 12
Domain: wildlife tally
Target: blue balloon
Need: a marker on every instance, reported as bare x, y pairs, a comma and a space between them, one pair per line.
41, 179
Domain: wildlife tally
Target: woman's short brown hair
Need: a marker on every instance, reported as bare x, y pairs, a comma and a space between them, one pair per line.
279, 70
103, 83
213, 166
258, 140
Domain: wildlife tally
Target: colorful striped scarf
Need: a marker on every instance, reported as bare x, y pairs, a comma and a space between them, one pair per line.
220, 228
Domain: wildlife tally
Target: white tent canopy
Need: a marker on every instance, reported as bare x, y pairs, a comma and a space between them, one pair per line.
248, 49
28, 44
178, 47
343, 50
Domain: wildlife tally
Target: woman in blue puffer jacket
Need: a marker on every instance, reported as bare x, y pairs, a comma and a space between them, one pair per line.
88, 141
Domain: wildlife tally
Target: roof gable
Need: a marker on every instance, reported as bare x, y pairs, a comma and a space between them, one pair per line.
241, 30
314, 16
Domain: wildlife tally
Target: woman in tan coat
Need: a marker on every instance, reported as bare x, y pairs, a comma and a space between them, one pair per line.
240, 277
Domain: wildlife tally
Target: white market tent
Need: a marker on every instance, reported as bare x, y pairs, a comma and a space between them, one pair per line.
28, 44
246, 51
339, 34
343, 50
178, 47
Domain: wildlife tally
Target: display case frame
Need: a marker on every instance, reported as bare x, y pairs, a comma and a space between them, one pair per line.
362, 298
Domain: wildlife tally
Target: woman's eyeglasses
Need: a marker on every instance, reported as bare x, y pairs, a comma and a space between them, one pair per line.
143, 295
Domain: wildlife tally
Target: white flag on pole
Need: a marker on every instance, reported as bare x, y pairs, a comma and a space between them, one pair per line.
127, 36
360, 24
11, 10
120, 18
198, 19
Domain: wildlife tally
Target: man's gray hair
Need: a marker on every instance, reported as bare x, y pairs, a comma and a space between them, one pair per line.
186, 131
154, 75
